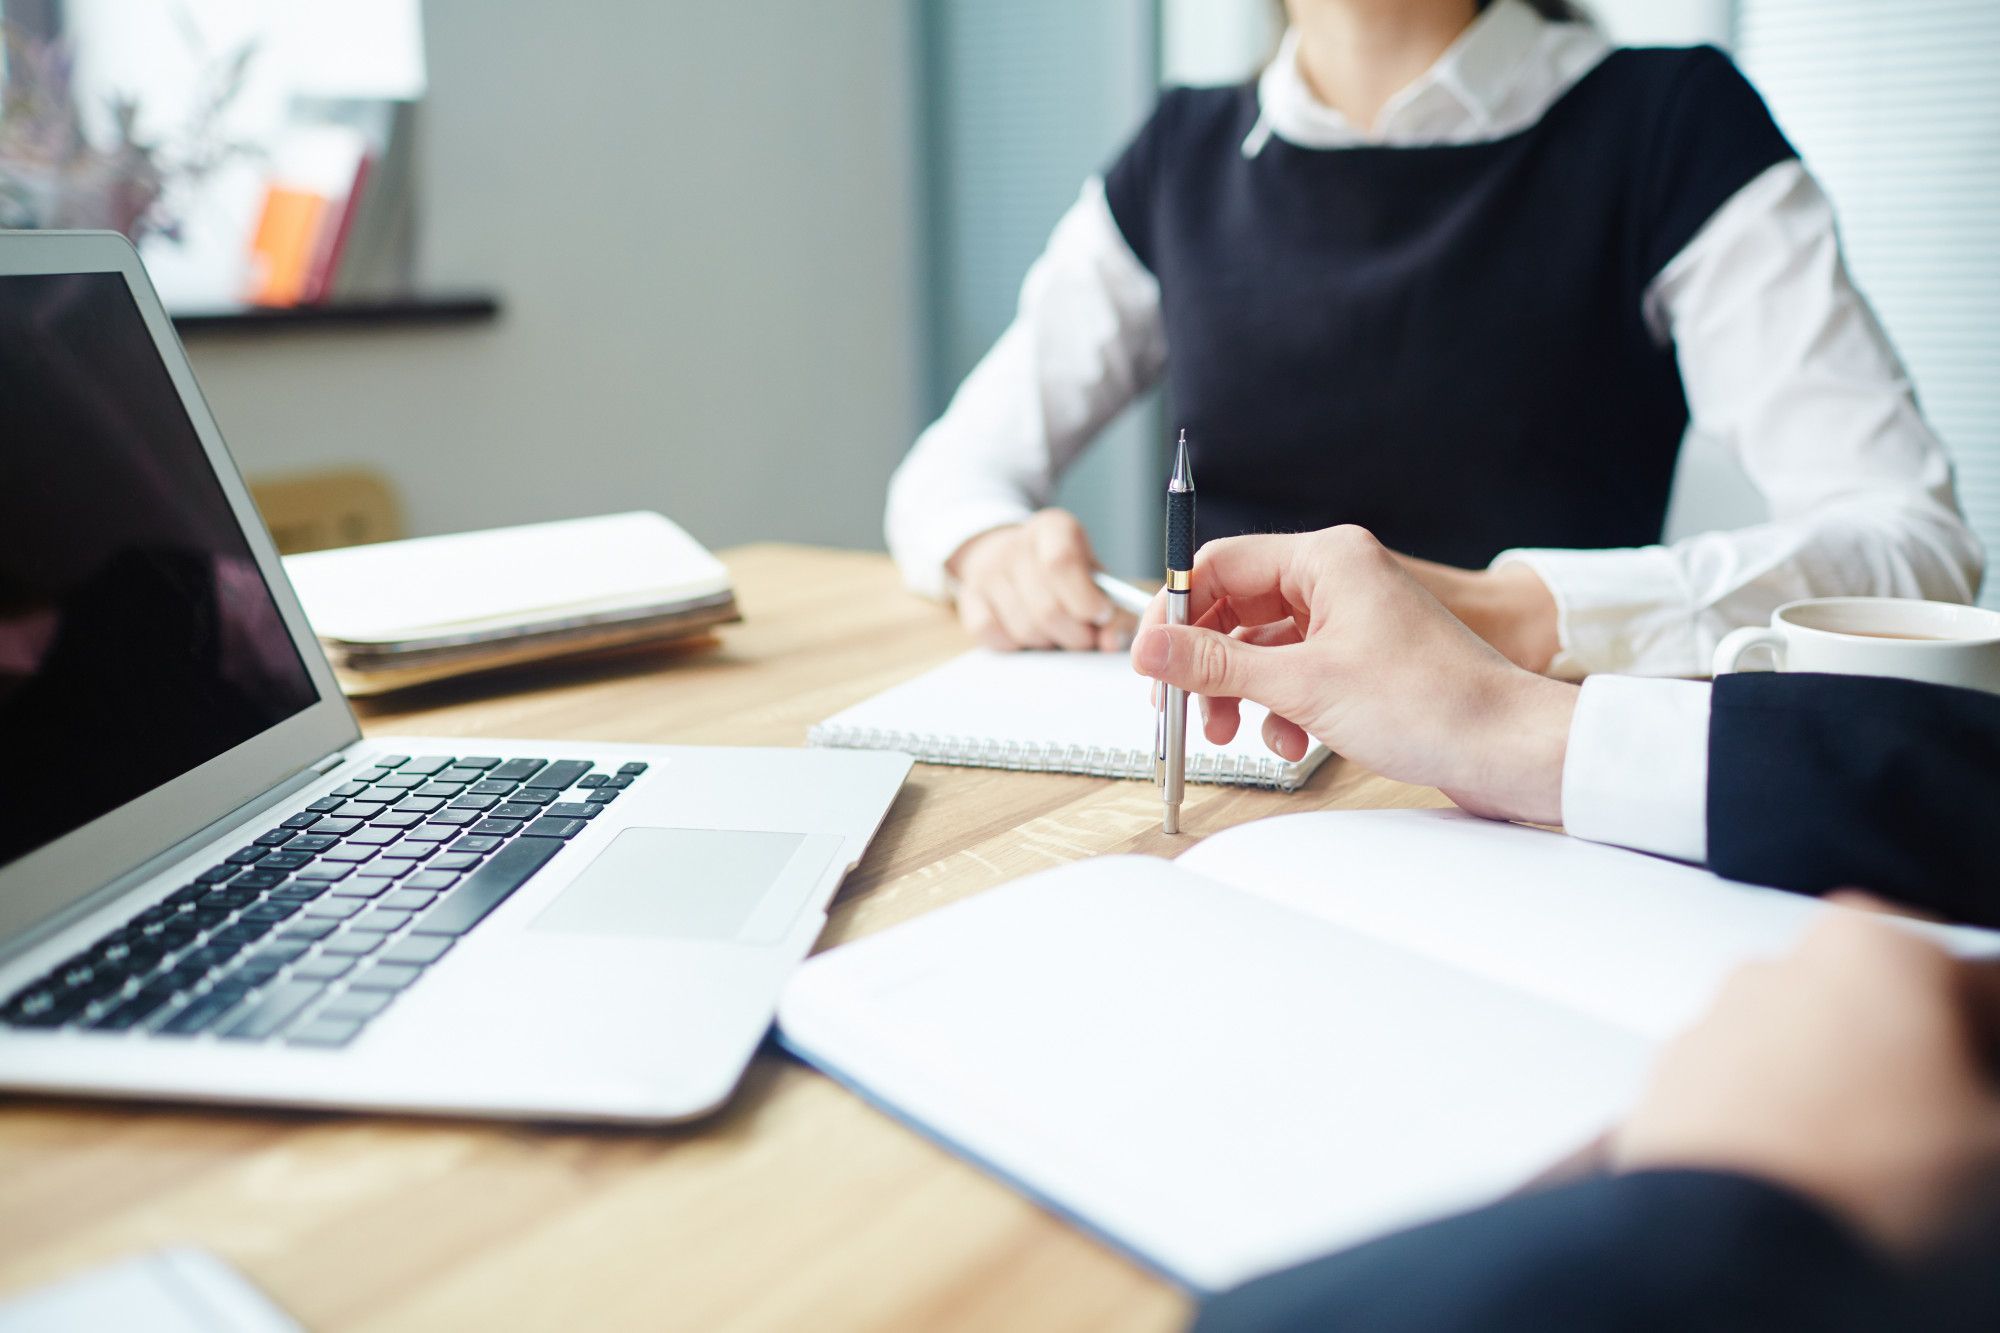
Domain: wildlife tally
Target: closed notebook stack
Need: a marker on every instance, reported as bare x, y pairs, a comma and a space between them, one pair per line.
405, 613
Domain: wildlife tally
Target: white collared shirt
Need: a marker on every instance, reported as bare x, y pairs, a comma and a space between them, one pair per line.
1780, 358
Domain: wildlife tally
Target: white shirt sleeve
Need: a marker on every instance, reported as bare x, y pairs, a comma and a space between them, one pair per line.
1636, 772
1785, 364
1086, 340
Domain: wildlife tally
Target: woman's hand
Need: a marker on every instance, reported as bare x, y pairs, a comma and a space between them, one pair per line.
1029, 586
1509, 607
1332, 633
1858, 1071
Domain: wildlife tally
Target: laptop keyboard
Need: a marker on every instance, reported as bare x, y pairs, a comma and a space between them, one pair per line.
316, 925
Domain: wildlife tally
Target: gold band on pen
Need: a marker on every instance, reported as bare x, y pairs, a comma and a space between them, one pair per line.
1179, 580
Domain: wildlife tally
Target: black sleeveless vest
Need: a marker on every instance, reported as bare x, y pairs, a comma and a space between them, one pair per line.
1443, 344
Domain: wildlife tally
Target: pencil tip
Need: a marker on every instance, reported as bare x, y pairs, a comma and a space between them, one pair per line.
1183, 478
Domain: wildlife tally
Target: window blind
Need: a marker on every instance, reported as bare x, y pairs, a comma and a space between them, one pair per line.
1896, 108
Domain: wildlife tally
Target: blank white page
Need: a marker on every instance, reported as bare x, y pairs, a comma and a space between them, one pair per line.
1215, 1083
1634, 940
1060, 712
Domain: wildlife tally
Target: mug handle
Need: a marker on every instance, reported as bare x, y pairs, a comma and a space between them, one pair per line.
1740, 642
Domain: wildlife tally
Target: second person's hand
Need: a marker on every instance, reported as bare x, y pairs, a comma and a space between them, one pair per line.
1028, 585
1335, 636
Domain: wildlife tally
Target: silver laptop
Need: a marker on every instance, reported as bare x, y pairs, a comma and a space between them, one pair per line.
212, 887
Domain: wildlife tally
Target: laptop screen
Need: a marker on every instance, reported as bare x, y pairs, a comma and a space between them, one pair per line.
138, 639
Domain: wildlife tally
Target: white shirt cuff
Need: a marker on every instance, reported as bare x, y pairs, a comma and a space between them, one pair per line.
1626, 609
1636, 773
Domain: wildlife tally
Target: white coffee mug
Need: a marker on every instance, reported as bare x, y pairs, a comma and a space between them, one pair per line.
1937, 642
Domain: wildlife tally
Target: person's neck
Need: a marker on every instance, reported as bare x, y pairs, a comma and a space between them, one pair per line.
1357, 54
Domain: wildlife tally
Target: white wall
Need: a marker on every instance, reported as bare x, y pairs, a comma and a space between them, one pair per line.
700, 217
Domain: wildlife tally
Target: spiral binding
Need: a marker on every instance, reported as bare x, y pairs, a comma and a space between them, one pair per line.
1094, 760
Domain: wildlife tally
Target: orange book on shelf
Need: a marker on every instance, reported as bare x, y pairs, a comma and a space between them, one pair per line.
284, 244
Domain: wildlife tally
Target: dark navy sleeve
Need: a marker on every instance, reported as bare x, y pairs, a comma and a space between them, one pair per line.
1714, 135
1132, 183
1665, 1250
1819, 782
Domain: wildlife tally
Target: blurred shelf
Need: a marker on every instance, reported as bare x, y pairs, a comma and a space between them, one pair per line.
372, 312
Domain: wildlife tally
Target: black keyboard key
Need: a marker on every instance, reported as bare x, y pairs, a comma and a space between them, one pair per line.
423, 805
397, 819
347, 789
328, 871
325, 805
310, 842
206, 957
135, 1009
476, 842
272, 1010
250, 972
308, 928
338, 825
401, 782
632, 769
326, 1032
497, 828
285, 860
462, 775
385, 976
574, 810
218, 874
470, 802
271, 912
551, 827
417, 950
516, 810
454, 861
479, 761
491, 788
277, 837
514, 770
455, 818
431, 833
359, 1004
365, 808
336, 909
445, 789
382, 920
298, 891
350, 855
408, 849
362, 887
427, 765
283, 951
621, 782
374, 837
300, 821
560, 774
260, 879
594, 780
406, 899
244, 856
242, 932
487, 887
323, 967
186, 895
389, 760
602, 796
352, 943
534, 796
375, 774
199, 1013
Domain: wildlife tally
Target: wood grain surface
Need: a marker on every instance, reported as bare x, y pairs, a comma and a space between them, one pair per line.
797, 1207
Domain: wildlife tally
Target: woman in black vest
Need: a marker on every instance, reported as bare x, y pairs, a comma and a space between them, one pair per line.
1462, 274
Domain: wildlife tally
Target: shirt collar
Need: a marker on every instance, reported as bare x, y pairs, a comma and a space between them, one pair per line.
1463, 96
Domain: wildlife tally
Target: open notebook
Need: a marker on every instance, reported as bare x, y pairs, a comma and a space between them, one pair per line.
1053, 713
1304, 1032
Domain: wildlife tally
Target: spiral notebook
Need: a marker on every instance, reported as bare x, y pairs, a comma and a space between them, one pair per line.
1085, 713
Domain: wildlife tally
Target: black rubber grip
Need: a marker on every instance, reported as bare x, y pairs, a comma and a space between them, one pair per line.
1180, 529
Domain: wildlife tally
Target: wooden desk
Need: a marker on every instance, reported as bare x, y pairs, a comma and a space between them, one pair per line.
797, 1207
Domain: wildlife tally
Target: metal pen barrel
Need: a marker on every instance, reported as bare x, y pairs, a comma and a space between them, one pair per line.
1180, 578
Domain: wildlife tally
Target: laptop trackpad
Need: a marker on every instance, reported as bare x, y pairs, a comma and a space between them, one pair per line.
722, 885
